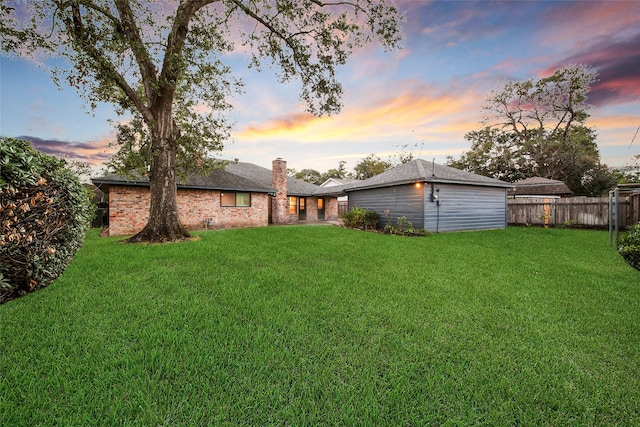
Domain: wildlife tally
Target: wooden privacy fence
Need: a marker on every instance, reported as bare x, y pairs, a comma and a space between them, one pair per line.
343, 208
592, 212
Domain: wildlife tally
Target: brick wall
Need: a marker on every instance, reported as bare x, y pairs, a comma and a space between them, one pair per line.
129, 210
331, 209
312, 209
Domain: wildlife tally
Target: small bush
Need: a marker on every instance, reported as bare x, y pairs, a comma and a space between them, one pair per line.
402, 227
363, 219
629, 246
44, 213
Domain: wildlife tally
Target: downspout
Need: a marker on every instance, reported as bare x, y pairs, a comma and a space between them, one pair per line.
438, 211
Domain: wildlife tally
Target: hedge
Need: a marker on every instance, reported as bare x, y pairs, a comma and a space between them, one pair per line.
44, 214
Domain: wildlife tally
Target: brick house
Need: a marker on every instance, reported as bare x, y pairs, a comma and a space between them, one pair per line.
241, 195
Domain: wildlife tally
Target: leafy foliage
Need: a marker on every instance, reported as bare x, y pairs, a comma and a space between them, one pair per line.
537, 128
317, 178
631, 172
370, 166
402, 227
629, 246
362, 219
44, 212
309, 175
366, 168
167, 64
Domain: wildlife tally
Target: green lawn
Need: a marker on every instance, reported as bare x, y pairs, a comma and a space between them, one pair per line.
321, 325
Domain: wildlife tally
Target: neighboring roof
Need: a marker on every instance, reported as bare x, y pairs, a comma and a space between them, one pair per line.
217, 180
629, 189
537, 186
332, 182
333, 190
424, 171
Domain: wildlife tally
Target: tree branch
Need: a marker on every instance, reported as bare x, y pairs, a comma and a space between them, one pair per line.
170, 73
147, 68
272, 29
76, 28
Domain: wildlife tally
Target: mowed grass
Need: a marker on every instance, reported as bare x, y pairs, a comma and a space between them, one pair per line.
319, 325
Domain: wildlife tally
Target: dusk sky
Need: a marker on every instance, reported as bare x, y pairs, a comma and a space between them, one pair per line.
425, 97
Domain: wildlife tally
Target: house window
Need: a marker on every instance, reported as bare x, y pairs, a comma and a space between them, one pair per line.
320, 204
235, 199
243, 199
293, 205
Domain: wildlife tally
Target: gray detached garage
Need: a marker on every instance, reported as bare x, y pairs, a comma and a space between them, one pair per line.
434, 197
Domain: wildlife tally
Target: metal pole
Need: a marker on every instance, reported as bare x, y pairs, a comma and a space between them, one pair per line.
617, 215
610, 218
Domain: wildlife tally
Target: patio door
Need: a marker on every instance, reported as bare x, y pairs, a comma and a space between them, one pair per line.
320, 209
302, 208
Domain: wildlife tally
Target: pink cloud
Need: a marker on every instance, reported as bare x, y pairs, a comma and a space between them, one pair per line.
95, 153
588, 20
285, 123
617, 61
415, 109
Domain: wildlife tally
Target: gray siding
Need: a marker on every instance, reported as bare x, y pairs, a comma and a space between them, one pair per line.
465, 207
404, 200
462, 207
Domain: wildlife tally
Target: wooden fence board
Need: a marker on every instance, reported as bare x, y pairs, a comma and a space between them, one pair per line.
580, 211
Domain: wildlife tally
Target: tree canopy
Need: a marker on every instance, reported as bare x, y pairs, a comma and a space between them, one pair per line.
167, 64
538, 127
317, 178
370, 166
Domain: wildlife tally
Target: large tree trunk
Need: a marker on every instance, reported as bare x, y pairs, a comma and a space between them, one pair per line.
163, 224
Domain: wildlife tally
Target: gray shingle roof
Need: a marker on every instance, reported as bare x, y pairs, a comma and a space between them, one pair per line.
239, 176
295, 187
235, 177
337, 181
540, 186
217, 180
537, 180
424, 171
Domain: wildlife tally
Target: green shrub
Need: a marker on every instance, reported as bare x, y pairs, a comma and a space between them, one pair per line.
402, 227
44, 213
363, 219
629, 246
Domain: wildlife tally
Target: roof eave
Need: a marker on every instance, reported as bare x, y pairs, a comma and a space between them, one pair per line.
183, 186
434, 180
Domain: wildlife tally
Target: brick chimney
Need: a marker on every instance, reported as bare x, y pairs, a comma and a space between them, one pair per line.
280, 211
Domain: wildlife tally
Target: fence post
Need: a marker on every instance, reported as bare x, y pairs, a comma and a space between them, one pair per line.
616, 192
546, 213
610, 219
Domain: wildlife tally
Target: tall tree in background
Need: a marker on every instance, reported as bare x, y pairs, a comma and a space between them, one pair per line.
370, 166
317, 178
309, 175
339, 173
537, 128
166, 64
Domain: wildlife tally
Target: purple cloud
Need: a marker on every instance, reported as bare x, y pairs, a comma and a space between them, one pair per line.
93, 153
617, 62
